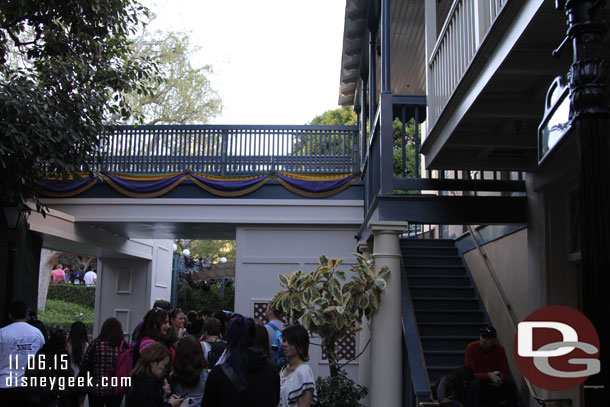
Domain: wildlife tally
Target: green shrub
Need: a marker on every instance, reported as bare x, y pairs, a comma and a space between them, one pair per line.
65, 313
207, 301
339, 391
76, 294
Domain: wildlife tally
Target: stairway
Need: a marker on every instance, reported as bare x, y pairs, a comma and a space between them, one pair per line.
446, 303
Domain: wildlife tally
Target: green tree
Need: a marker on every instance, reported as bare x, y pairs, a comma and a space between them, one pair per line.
343, 116
182, 94
65, 67
409, 148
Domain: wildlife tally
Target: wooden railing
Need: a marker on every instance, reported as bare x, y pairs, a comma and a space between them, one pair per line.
466, 25
230, 150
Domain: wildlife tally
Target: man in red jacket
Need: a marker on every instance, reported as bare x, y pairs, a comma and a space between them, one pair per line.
492, 382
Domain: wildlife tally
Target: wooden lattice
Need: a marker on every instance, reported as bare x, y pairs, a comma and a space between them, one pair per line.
345, 348
259, 310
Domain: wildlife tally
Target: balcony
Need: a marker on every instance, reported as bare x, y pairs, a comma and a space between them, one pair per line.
230, 150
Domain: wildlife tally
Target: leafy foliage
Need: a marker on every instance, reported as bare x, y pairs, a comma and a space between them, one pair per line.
65, 313
339, 391
206, 301
76, 294
409, 148
64, 69
326, 306
184, 93
344, 116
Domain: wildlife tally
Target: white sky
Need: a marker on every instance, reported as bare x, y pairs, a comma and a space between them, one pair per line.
274, 61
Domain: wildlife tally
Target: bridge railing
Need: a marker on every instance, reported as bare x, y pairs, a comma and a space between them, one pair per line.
231, 150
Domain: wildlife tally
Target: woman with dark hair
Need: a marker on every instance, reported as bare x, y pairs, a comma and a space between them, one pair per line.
243, 376
77, 344
53, 363
190, 370
99, 360
77, 347
155, 328
177, 331
147, 379
262, 338
297, 379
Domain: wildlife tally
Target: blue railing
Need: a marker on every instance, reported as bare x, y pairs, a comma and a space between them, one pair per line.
230, 150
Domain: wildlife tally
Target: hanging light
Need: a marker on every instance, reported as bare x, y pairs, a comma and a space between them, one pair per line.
186, 252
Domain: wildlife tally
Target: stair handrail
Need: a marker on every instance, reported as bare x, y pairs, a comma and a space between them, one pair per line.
417, 363
511, 316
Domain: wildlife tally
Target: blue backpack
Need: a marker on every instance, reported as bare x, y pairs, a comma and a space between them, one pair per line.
276, 347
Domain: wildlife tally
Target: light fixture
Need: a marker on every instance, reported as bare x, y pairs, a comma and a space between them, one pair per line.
174, 247
186, 252
223, 259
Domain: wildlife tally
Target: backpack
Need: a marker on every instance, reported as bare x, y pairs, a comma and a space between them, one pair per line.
277, 357
123, 365
216, 350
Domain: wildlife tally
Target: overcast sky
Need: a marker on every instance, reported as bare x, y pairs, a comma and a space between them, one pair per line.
275, 61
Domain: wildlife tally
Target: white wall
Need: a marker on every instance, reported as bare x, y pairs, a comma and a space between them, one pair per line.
266, 251
127, 288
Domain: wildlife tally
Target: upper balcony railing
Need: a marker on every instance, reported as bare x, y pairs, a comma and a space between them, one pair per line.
467, 24
231, 150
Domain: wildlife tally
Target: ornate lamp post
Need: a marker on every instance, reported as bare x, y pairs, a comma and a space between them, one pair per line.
589, 113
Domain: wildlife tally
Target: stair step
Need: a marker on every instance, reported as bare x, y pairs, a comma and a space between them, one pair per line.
431, 279
447, 270
418, 260
427, 242
434, 303
429, 251
441, 291
450, 329
455, 343
441, 316
444, 357
436, 372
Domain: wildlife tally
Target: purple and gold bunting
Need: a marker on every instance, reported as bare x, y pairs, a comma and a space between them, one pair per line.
152, 186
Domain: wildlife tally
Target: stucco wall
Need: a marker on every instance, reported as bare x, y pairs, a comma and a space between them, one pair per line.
509, 260
264, 252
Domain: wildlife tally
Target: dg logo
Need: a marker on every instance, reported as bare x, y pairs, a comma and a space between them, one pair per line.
557, 348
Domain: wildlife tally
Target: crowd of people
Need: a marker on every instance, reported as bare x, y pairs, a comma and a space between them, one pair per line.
65, 275
173, 359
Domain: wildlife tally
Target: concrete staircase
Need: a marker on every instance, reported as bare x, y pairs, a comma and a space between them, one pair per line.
447, 308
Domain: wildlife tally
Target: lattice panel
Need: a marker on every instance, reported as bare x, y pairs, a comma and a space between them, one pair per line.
259, 310
345, 348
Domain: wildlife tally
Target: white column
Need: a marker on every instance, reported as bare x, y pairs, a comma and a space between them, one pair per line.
364, 361
386, 327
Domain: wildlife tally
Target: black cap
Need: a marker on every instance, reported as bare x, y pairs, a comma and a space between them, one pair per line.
488, 332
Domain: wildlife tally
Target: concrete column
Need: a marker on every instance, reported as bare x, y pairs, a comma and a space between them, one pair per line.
386, 332
364, 361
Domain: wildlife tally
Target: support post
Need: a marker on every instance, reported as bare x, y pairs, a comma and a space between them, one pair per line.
386, 326
364, 362
589, 113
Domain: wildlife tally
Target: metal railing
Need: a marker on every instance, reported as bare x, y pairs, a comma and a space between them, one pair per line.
466, 25
230, 150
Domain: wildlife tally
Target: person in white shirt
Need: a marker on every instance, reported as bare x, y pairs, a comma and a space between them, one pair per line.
18, 341
90, 278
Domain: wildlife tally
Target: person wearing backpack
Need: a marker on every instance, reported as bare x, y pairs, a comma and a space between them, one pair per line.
99, 362
274, 328
212, 344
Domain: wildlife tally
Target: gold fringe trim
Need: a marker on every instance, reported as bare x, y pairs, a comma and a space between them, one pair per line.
227, 194
155, 194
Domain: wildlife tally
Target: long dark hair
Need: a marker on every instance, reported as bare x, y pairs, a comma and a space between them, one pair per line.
241, 335
152, 324
188, 362
77, 338
111, 332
